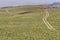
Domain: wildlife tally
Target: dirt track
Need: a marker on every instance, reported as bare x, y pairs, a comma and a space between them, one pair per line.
50, 27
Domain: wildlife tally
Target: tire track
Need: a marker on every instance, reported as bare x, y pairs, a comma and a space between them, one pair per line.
50, 27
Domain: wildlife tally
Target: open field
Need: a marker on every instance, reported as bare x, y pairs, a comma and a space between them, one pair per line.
54, 18
29, 26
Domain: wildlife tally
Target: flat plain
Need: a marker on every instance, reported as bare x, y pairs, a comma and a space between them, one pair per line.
29, 26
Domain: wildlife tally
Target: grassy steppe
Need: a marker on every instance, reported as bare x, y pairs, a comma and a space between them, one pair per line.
54, 18
26, 27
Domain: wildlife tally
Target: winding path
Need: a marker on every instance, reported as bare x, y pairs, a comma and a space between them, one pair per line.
50, 27
7, 11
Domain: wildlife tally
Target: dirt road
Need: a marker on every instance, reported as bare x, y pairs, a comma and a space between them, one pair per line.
50, 27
